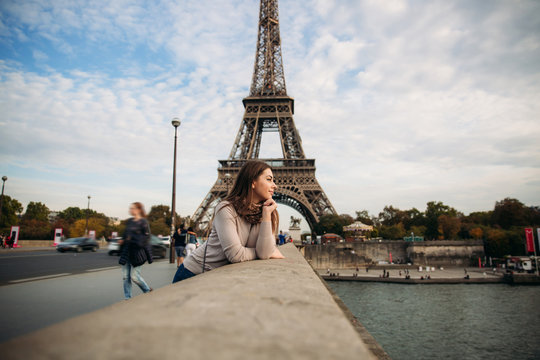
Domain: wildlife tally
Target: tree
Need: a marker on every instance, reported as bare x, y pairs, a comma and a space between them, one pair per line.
509, 212
432, 213
36, 211
449, 226
160, 227
159, 212
71, 214
418, 230
476, 233
94, 223
33, 229
10, 209
392, 232
391, 216
363, 216
331, 223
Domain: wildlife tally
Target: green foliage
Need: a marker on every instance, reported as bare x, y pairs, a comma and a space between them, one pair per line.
72, 214
36, 211
160, 212
331, 223
363, 216
10, 209
509, 212
433, 211
160, 227
392, 232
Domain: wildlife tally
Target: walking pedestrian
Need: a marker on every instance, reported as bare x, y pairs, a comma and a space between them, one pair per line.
180, 244
135, 249
244, 224
191, 242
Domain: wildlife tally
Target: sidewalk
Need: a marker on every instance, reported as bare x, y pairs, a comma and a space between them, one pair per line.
447, 275
27, 249
33, 305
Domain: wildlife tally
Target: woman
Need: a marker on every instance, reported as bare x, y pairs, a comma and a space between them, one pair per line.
191, 241
135, 250
244, 224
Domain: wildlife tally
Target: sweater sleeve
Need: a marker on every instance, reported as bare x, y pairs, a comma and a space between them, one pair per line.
225, 224
266, 243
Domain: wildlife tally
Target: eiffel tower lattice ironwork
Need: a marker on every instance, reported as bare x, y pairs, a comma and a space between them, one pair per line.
269, 108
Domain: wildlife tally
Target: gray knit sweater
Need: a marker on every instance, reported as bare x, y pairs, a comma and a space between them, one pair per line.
232, 240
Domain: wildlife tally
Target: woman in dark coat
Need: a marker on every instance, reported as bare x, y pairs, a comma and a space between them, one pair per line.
135, 249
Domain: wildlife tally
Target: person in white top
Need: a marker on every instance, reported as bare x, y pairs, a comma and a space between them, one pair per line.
244, 224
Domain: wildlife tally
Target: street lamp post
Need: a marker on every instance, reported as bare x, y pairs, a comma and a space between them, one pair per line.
87, 212
176, 123
4, 178
227, 179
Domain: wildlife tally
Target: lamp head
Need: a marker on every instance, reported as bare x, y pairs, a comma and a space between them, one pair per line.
175, 122
4, 178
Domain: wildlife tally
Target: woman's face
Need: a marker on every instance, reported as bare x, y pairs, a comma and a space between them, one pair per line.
264, 186
133, 211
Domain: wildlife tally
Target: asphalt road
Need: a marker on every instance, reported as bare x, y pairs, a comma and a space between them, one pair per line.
16, 267
45, 287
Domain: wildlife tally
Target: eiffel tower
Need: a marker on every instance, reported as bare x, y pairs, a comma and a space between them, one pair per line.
269, 108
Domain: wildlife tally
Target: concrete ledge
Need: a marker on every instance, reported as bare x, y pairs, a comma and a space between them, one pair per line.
272, 309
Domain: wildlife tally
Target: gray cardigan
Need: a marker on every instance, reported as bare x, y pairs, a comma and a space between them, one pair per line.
232, 240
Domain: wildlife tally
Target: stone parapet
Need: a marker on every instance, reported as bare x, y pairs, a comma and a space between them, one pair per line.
271, 309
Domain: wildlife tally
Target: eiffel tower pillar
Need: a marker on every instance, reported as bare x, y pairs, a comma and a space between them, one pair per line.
269, 108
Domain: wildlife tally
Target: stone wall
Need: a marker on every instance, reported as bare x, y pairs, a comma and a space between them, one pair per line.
350, 255
264, 309
446, 253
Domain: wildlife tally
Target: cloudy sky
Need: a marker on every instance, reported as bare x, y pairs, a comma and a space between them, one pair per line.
399, 102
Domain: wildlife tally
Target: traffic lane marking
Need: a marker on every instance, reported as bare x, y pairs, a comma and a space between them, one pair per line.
44, 277
105, 268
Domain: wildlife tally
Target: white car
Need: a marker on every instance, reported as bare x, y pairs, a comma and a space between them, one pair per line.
165, 240
114, 247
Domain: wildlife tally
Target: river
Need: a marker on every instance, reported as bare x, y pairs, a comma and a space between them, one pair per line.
491, 321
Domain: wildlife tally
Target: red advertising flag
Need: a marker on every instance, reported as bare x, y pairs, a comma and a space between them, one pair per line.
530, 239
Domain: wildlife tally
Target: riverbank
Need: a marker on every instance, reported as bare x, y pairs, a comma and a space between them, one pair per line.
416, 276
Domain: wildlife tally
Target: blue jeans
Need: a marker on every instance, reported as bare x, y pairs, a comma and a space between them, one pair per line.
182, 274
133, 273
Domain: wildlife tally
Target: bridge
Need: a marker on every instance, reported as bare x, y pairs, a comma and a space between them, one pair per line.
264, 309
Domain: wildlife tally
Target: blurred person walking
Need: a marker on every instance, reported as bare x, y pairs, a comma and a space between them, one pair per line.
135, 249
191, 242
244, 226
180, 244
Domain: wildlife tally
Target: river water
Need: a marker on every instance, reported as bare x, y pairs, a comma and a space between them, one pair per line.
488, 321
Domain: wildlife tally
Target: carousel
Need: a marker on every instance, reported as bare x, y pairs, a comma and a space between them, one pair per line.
357, 231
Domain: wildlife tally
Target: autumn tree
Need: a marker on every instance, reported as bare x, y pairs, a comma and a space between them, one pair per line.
476, 233
449, 226
10, 209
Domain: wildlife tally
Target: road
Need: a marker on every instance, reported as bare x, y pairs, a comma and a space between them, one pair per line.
42, 288
16, 267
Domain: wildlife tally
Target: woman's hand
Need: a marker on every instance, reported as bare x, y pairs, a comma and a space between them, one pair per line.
277, 255
267, 208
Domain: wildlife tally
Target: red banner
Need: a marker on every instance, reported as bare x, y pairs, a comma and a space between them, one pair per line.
529, 236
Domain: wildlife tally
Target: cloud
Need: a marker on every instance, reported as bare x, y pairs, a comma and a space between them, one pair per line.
400, 102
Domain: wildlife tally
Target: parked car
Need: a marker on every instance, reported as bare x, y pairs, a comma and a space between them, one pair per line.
78, 244
158, 249
165, 240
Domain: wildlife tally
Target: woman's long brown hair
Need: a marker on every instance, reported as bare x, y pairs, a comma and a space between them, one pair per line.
139, 206
241, 194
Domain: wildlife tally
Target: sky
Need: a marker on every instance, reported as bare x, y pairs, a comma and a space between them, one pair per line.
400, 102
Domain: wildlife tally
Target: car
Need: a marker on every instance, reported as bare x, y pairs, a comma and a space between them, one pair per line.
158, 249
78, 245
165, 240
